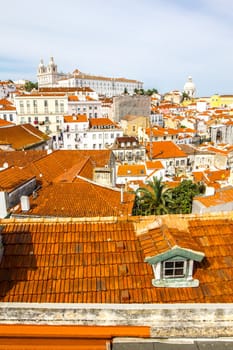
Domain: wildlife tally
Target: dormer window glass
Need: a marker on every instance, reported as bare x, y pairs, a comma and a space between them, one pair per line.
174, 269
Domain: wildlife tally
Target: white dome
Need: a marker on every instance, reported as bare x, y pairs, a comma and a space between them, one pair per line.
189, 87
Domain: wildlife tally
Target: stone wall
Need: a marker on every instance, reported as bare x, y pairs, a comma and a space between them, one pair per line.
132, 105
170, 320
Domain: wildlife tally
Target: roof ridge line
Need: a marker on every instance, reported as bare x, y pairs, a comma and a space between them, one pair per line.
31, 132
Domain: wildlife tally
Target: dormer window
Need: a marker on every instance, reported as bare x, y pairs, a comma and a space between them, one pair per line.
174, 268
172, 264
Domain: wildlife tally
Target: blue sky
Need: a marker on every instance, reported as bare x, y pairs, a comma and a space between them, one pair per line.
160, 42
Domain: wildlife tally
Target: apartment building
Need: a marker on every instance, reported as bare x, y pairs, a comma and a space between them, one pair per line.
8, 111
6, 87
43, 110
84, 105
127, 149
95, 133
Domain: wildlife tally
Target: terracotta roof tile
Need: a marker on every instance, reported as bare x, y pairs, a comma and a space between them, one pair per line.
99, 122
20, 158
4, 123
22, 136
75, 261
55, 164
71, 199
131, 170
165, 149
12, 177
78, 118
222, 196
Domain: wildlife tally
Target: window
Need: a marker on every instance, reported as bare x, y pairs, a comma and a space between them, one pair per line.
35, 106
94, 136
46, 106
28, 106
21, 107
56, 106
62, 107
173, 269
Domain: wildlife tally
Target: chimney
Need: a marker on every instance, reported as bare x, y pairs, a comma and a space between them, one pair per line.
25, 203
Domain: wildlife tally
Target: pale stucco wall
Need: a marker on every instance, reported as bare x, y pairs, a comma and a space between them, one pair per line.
170, 320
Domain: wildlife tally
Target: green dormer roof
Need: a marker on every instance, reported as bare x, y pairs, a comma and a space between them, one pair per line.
176, 251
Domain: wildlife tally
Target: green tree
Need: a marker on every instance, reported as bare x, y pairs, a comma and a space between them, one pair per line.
184, 97
182, 196
150, 92
29, 85
154, 199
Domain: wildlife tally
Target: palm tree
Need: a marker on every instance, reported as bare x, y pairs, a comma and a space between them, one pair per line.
154, 199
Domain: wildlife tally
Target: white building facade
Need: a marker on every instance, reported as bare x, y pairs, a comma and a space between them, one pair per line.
6, 87
49, 76
44, 111
78, 134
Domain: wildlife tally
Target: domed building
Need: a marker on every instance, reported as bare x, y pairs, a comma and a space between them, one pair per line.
190, 88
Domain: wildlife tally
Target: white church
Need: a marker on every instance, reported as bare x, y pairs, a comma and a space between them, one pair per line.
48, 76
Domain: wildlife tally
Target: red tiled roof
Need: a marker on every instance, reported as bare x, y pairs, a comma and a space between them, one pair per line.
80, 162
22, 136
101, 122
154, 165
160, 240
221, 197
165, 149
78, 118
74, 261
80, 199
4, 123
65, 89
131, 170
13, 177
20, 158
73, 98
